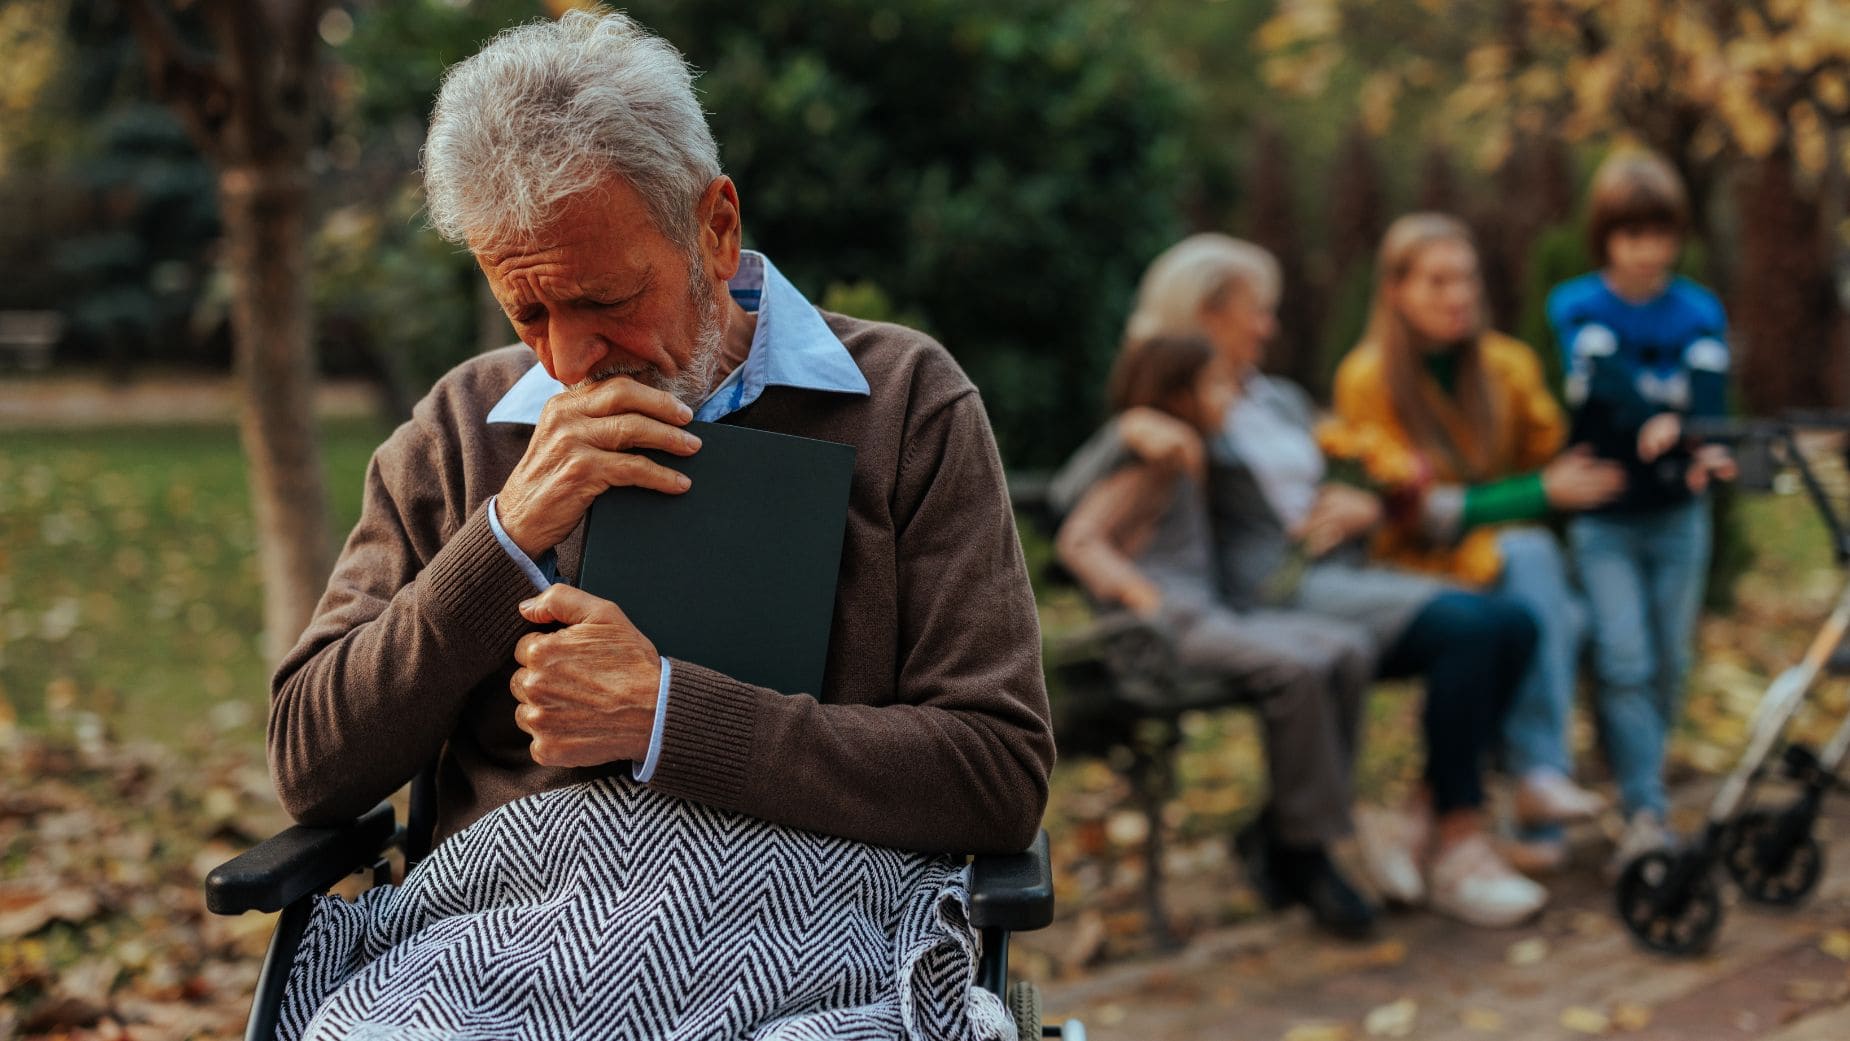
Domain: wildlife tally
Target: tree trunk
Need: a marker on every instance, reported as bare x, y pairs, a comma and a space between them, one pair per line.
1358, 204
251, 107
1439, 191
1788, 328
1533, 192
1272, 218
264, 210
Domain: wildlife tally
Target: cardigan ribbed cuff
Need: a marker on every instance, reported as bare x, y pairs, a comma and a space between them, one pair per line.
707, 736
471, 593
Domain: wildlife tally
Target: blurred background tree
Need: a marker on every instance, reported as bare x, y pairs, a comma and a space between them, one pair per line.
1749, 100
998, 176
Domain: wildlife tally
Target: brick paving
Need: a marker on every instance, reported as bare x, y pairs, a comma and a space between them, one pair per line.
1574, 974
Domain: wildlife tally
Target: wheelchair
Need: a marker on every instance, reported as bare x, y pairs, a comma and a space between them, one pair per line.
1008, 894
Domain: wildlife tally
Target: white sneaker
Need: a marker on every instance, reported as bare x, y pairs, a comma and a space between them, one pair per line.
1644, 833
1550, 797
1393, 844
1471, 883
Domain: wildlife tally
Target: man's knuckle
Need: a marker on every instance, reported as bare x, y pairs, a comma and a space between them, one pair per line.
630, 468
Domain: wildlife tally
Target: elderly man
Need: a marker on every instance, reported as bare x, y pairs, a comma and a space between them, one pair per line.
574, 161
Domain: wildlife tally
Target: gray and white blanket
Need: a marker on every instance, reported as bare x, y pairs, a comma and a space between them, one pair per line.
608, 910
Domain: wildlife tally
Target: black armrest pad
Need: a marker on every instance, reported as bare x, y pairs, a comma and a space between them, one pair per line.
1012, 891
296, 863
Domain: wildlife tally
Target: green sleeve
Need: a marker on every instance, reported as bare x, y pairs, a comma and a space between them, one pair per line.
1511, 499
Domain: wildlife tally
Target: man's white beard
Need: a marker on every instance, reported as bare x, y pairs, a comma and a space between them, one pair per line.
694, 382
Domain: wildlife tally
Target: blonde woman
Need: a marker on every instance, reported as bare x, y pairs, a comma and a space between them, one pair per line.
1479, 438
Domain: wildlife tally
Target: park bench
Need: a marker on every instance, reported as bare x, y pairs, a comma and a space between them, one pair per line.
27, 337
1119, 694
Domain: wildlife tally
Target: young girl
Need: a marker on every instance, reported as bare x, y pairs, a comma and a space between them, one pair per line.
1645, 349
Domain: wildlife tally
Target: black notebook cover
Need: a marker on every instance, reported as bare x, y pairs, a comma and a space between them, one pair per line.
737, 573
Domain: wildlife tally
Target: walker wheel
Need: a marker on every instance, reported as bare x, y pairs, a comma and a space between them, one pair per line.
1767, 870
1025, 1005
1681, 920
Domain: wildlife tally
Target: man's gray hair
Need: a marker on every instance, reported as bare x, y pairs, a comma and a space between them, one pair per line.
551, 109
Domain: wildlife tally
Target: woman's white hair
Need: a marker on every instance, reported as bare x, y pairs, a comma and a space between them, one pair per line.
551, 109
1196, 276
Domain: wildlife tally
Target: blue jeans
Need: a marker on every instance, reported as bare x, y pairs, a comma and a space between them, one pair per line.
1473, 651
1643, 574
1535, 733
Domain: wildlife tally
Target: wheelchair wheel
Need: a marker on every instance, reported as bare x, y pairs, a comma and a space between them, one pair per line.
1024, 1001
1767, 870
1665, 914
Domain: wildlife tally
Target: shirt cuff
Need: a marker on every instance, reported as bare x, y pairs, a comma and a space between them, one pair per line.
645, 771
519, 555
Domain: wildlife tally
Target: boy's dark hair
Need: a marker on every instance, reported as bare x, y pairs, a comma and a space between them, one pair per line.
1149, 373
1634, 190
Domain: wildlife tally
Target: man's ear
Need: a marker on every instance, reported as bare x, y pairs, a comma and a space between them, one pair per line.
721, 231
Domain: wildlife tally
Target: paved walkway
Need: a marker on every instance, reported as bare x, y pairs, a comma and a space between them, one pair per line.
70, 402
1575, 974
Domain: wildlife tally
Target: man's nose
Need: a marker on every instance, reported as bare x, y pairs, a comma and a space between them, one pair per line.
578, 349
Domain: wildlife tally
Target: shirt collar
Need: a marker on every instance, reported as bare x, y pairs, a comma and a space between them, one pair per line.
791, 347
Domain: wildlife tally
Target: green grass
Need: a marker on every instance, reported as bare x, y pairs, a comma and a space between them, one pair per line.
128, 580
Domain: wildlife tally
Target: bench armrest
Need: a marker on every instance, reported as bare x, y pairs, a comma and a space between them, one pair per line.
1012, 891
298, 862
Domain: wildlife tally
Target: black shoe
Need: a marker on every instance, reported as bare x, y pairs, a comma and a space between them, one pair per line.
1284, 875
1254, 846
1311, 878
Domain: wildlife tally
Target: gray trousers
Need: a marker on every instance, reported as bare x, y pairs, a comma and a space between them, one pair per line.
1310, 676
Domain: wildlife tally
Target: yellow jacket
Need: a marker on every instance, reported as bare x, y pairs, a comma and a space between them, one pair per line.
1529, 432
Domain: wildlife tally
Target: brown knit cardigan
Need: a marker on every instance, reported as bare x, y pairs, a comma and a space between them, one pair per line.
931, 729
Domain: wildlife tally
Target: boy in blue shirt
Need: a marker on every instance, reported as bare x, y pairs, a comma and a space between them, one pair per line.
1646, 350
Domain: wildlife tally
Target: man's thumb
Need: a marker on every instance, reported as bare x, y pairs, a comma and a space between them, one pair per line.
568, 605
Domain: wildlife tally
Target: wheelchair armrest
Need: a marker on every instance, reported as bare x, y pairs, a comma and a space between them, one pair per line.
1012, 891
299, 862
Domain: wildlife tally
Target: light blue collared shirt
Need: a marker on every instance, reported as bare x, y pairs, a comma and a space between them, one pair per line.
791, 347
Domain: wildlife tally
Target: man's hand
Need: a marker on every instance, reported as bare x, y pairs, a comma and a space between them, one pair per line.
1659, 434
1577, 481
587, 691
581, 446
1160, 438
1339, 514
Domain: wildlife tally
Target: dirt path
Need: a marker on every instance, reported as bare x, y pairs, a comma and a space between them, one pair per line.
1575, 974
72, 402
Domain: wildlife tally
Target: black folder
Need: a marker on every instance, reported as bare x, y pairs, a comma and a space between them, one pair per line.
737, 573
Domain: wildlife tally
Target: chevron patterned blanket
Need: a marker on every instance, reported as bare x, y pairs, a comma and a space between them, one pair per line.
607, 910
